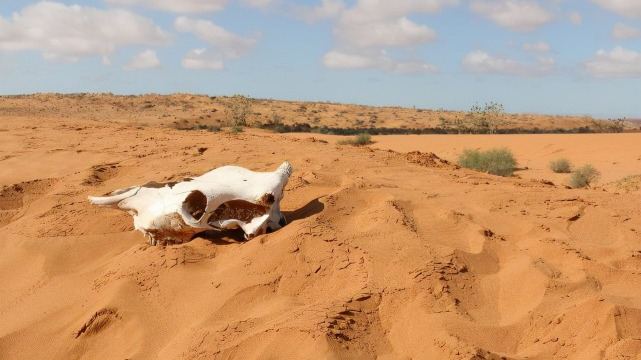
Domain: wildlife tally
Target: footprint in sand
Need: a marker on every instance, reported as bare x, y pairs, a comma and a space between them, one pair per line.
98, 321
14, 198
101, 173
451, 229
503, 296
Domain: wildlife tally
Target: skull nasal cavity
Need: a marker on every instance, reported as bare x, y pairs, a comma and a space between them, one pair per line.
195, 204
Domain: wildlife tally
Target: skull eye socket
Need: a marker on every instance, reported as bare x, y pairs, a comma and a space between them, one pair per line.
195, 204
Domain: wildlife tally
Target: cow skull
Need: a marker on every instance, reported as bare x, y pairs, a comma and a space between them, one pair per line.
224, 198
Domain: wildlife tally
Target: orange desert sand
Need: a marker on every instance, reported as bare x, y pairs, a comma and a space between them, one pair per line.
388, 255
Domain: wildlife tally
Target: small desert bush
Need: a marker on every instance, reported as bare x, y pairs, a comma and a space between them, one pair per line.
561, 166
212, 128
239, 108
494, 161
276, 119
236, 129
584, 176
358, 140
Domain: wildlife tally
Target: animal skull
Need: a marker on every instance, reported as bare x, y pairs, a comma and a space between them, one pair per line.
224, 198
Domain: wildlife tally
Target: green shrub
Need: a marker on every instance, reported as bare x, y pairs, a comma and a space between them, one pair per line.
494, 161
561, 166
358, 140
584, 176
471, 159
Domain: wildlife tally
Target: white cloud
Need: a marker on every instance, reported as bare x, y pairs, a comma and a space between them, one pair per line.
623, 31
202, 59
258, 3
537, 47
629, 8
380, 23
365, 31
228, 44
189, 6
483, 63
68, 33
341, 60
375, 10
178, 6
619, 62
518, 15
397, 32
575, 18
327, 9
144, 60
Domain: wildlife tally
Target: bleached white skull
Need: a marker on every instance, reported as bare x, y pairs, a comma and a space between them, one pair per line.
224, 198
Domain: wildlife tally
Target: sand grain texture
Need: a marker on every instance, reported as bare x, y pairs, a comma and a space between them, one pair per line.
386, 256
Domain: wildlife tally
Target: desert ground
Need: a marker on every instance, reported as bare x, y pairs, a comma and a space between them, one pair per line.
391, 251
616, 156
188, 111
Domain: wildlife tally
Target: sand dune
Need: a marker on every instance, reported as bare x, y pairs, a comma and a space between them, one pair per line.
616, 156
188, 110
386, 255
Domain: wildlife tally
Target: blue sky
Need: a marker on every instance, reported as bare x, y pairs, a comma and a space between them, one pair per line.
540, 56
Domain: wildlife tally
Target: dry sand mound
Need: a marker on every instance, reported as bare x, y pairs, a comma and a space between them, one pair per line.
386, 256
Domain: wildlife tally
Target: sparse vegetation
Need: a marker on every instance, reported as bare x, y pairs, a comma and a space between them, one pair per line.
188, 126
456, 125
609, 126
322, 117
212, 128
276, 119
275, 124
584, 176
494, 161
617, 125
359, 140
459, 128
561, 166
239, 107
487, 118
236, 129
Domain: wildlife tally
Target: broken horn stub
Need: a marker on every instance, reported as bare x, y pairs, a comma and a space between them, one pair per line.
224, 198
